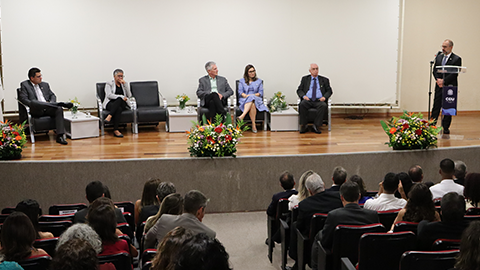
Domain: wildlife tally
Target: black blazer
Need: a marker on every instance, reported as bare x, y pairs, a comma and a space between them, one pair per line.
305, 86
27, 93
428, 232
450, 78
322, 202
272, 208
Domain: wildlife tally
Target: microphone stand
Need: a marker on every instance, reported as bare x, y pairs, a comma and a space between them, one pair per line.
430, 89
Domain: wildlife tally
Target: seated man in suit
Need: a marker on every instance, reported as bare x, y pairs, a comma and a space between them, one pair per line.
313, 92
42, 101
452, 225
193, 212
350, 214
213, 91
339, 177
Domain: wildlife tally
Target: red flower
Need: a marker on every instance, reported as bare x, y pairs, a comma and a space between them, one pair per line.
218, 129
405, 126
209, 138
393, 130
418, 132
228, 138
15, 133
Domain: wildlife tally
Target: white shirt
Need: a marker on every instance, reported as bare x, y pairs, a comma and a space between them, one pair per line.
444, 187
385, 202
293, 201
39, 93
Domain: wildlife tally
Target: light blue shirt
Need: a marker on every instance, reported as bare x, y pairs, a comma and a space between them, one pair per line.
213, 84
319, 93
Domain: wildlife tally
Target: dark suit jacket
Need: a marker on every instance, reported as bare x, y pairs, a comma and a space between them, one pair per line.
350, 214
81, 216
305, 86
333, 188
428, 232
322, 202
272, 208
204, 88
450, 78
27, 93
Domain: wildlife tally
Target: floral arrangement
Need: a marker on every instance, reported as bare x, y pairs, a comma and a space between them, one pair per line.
411, 131
76, 104
277, 102
215, 139
183, 99
12, 141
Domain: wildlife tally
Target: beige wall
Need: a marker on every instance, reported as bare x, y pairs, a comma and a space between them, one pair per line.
426, 24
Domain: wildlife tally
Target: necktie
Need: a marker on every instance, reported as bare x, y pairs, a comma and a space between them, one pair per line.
444, 61
314, 89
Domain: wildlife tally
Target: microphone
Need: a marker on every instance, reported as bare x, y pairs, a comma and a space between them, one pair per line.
434, 57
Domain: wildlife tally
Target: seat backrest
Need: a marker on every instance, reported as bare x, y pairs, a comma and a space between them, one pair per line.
383, 250
130, 220
125, 228
121, 260
3, 217
101, 91
388, 217
446, 244
316, 224
405, 226
56, 217
47, 244
125, 206
428, 260
294, 213
139, 233
282, 208
346, 238
40, 262
470, 211
8, 210
22, 112
55, 227
145, 93
147, 266
63, 209
471, 218
148, 255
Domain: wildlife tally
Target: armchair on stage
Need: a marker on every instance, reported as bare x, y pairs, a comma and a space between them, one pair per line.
327, 119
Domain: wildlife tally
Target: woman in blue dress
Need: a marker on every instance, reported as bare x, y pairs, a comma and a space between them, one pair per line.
250, 90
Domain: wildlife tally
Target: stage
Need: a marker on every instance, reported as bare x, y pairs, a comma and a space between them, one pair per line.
53, 173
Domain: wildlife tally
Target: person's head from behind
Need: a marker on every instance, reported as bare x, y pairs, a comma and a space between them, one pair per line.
17, 237
339, 175
472, 188
35, 75
194, 203
406, 181
202, 253
453, 207
469, 257
416, 173
390, 183
460, 169
172, 204
420, 194
32, 209
286, 181
349, 192
101, 216
81, 231
211, 68
164, 189
75, 254
361, 184
447, 168
167, 250
250, 73
94, 190
302, 188
150, 192
315, 184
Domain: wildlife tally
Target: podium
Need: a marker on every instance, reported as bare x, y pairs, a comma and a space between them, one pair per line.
449, 92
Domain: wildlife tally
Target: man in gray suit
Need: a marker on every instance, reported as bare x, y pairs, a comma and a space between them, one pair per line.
213, 91
42, 101
193, 213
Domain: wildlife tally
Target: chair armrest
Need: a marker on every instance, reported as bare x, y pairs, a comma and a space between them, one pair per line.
133, 103
162, 98
235, 102
229, 102
347, 264
198, 103
24, 105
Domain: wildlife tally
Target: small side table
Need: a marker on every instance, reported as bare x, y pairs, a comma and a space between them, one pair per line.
181, 120
83, 126
286, 120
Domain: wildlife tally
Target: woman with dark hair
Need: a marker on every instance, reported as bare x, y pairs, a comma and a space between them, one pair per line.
172, 204
202, 253
363, 188
250, 90
75, 254
419, 206
101, 217
405, 183
17, 237
469, 257
148, 202
167, 250
31, 208
472, 189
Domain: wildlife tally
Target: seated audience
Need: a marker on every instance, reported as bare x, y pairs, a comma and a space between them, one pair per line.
469, 257
288, 184
193, 212
404, 185
451, 226
32, 209
460, 172
202, 253
302, 191
81, 231
172, 204
350, 214
339, 177
419, 206
94, 190
386, 199
167, 251
472, 190
148, 204
101, 217
447, 168
7, 265
17, 237
416, 173
363, 188
75, 254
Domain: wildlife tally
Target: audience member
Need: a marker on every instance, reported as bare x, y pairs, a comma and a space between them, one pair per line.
363, 188
288, 184
419, 206
451, 226
447, 168
167, 251
202, 253
148, 204
172, 204
416, 173
302, 191
472, 189
350, 214
404, 185
460, 172
32, 209
81, 231
339, 177
469, 257
193, 213
75, 254
17, 237
386, 199
94, 190
7, 265
117, 93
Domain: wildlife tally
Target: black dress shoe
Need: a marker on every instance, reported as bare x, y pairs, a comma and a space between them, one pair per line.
67, 105
118, 136
446, 131
303, 129
61, 140
316, 130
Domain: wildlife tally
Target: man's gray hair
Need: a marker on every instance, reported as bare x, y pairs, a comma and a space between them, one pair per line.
460, 169
81, 231
315, 184
116, 71
209, 65
339, 175
450, 42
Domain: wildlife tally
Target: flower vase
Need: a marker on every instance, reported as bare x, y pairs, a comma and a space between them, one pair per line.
74, 112
182, 105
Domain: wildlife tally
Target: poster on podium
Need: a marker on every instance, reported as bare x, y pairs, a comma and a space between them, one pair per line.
449, 103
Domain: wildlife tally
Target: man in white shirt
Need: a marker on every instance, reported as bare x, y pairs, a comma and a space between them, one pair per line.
447, 169
386, 199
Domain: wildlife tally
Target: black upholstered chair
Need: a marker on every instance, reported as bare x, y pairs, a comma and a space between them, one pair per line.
445, 244
388, 217
261, 116
148, 255
273, 224
62, 209
327, 118
305, 242
121, 260
55, 227
149, 108
470, 211
127, 116
47, 244
35, 124
428, 260
8, 210
405, 226
126, 229
56, 217
39, 262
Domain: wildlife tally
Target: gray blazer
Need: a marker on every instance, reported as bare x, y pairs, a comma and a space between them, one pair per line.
27, 93
110, 92
168, 222
204, 88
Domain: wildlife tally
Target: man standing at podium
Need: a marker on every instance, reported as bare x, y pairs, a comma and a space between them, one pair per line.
446, 58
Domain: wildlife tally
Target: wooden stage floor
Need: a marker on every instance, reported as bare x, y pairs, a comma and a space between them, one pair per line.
347, 135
